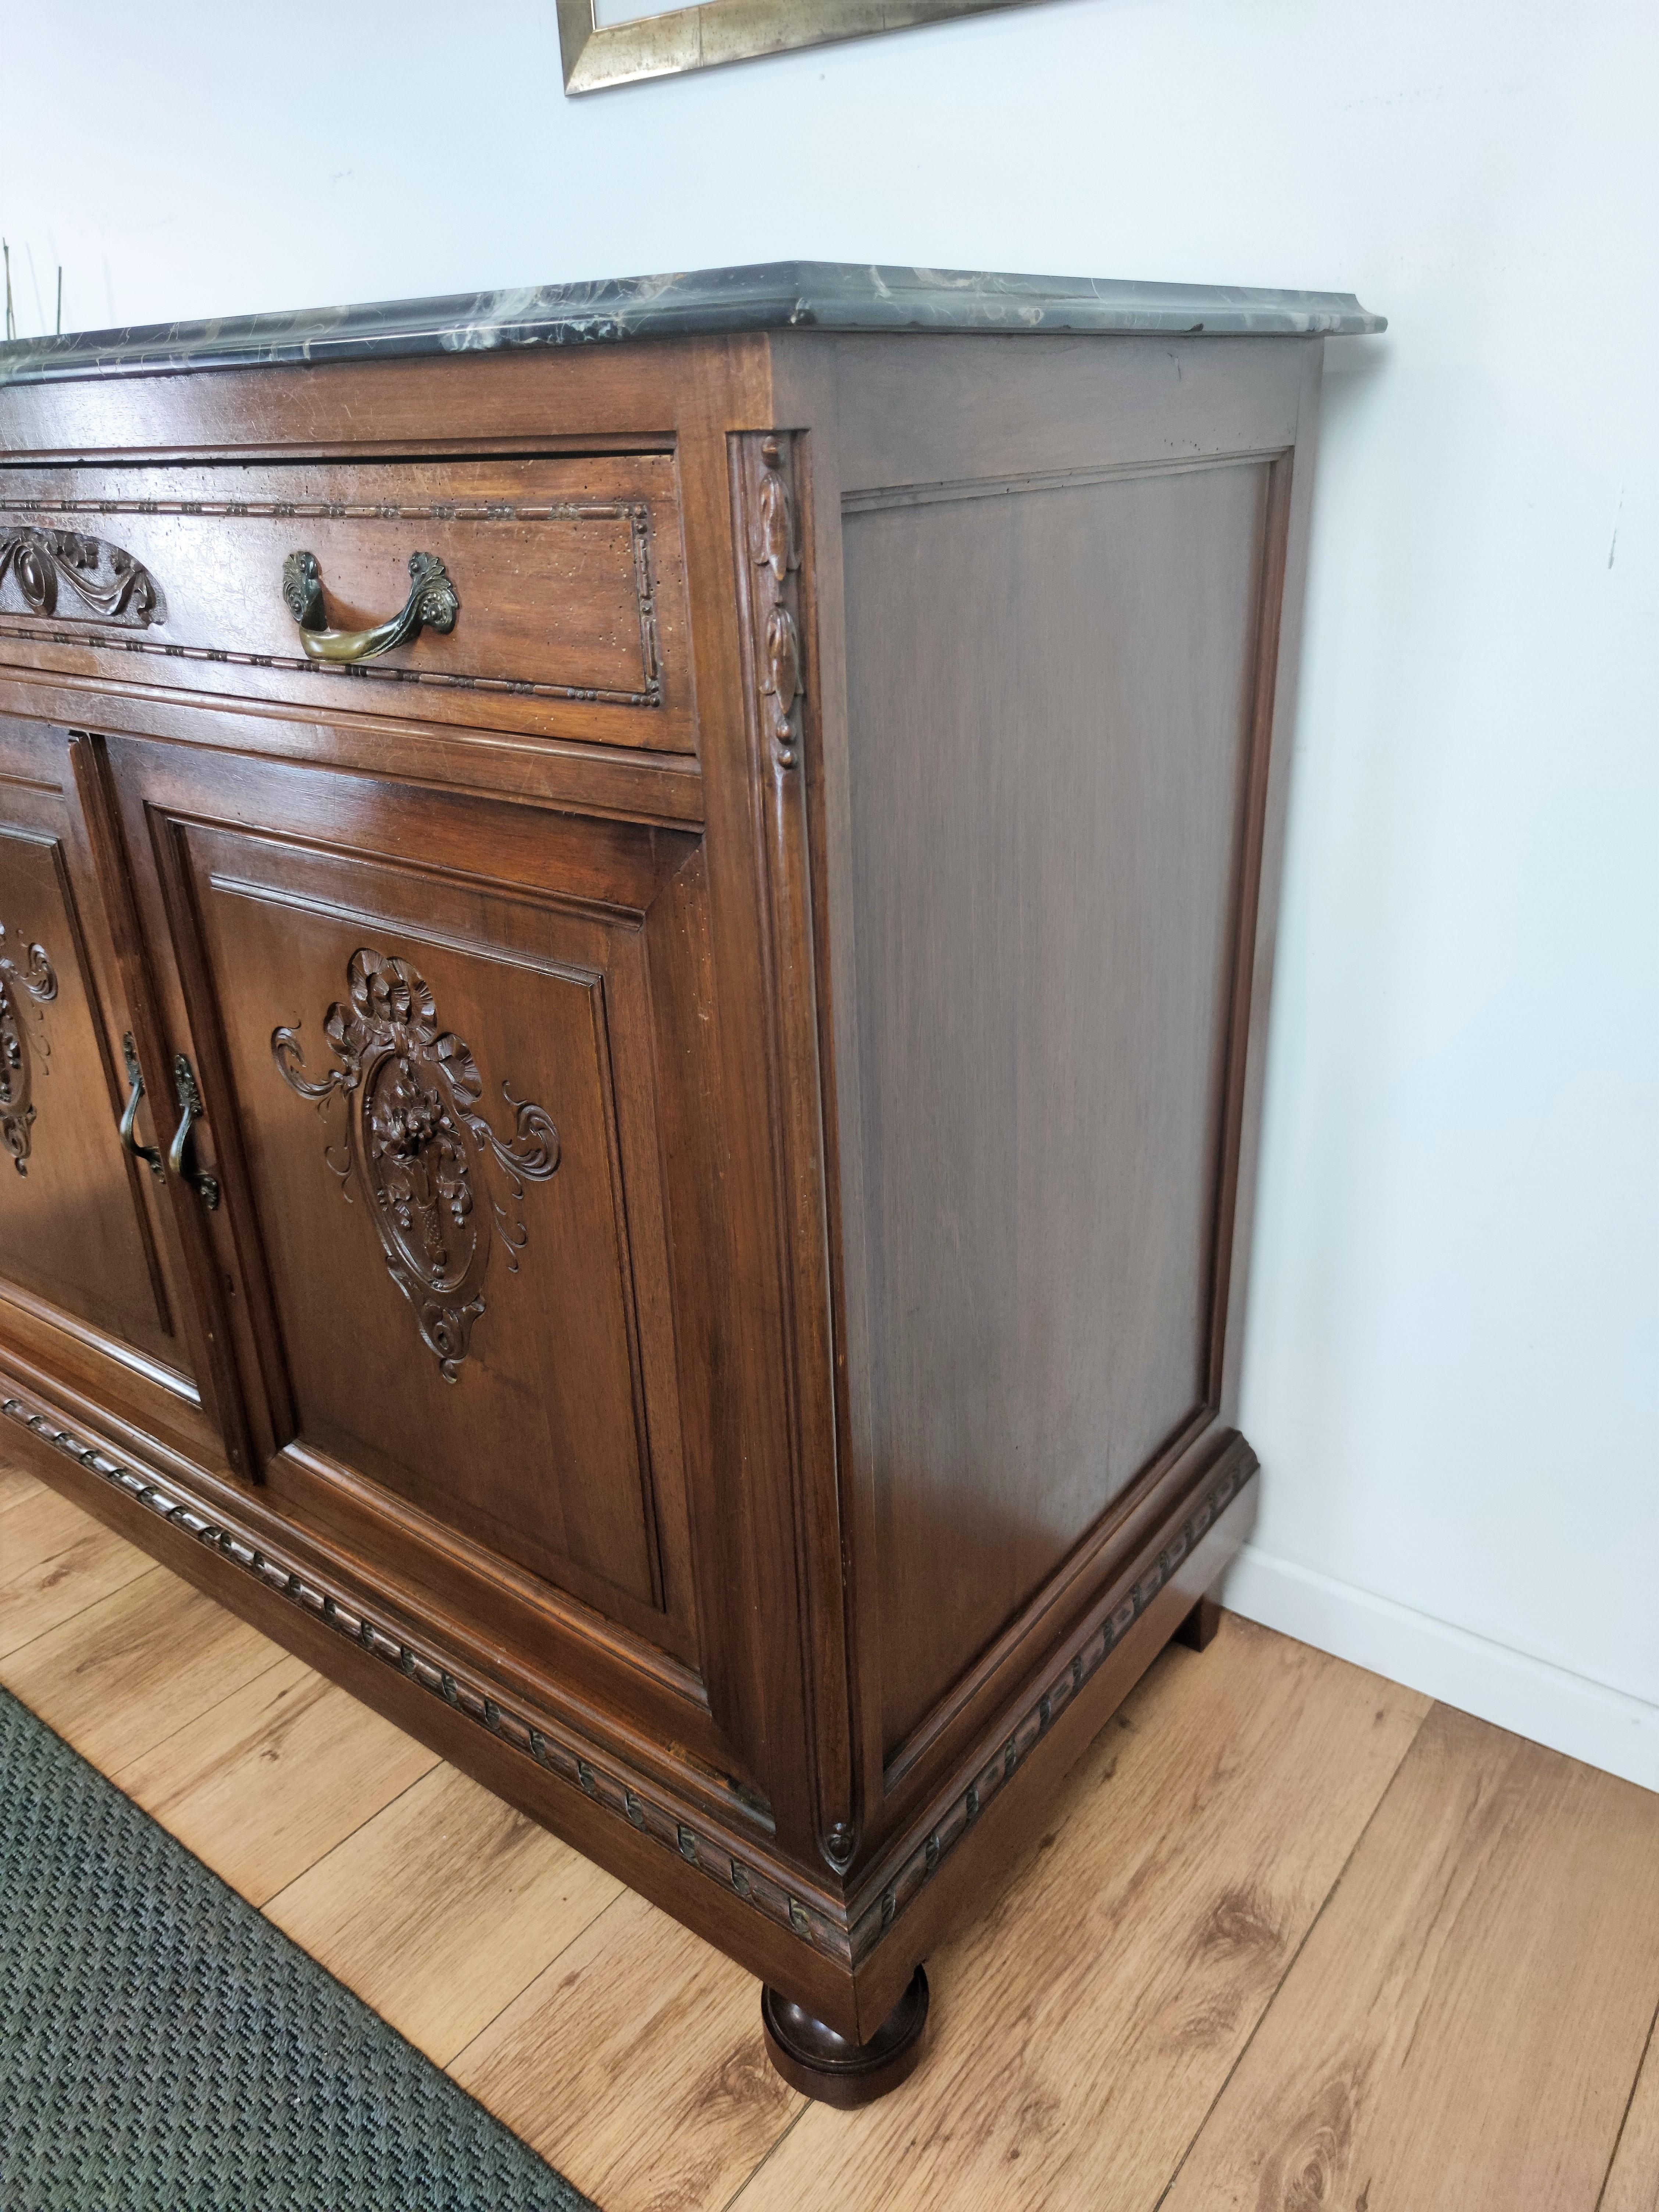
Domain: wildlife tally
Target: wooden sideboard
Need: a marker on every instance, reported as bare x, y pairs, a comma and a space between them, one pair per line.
636, 932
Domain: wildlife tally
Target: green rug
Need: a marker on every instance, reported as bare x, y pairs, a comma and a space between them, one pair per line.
164, 2049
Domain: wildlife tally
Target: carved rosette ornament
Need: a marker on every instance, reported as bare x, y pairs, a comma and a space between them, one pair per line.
16, 1071
776, 551
415, 1140
62, 572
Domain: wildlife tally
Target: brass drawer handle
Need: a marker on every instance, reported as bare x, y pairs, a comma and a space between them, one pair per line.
147, 1154
431, 602
190, 1109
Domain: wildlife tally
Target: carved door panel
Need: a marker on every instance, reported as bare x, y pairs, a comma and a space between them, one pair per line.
85, 1260
441, 1047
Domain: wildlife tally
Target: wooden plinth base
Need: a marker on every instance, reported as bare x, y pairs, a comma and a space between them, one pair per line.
820, 2064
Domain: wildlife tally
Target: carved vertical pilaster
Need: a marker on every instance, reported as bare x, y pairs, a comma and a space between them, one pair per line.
773, 542
769, 511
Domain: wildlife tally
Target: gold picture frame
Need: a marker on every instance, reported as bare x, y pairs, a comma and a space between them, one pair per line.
597, 55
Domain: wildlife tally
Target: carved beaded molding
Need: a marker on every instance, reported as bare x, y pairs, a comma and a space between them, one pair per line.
579, 1766
847, 1948
636, 515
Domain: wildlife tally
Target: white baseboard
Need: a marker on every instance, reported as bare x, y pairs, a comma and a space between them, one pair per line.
1603, 1727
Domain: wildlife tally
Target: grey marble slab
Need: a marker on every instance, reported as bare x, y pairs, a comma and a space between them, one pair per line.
830, 295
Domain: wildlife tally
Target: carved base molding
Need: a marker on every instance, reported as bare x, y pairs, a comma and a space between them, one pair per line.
581, 1764
571, 1759
1236, 1466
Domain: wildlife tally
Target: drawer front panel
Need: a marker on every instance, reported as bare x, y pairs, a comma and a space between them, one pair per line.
568, 575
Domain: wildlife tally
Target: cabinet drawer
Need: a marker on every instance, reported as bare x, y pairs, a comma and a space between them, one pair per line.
568, 581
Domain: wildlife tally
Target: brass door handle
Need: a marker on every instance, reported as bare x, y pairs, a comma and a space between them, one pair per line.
190, 1110
147, 1154
431, 602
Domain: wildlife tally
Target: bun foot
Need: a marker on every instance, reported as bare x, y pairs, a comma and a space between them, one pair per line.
820, 2064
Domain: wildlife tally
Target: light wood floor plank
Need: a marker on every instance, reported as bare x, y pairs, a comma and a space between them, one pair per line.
1086, 2024
274, 1776
1463, 2027
635, 2064
40, 1525
134, 1667
442, 1909
15, 1486
1633, 2183
55, 1560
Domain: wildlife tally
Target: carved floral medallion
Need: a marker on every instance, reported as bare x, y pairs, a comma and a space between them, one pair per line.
16, 1068
417, 1142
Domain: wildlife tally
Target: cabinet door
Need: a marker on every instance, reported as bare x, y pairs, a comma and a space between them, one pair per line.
86, 1272
445, 1050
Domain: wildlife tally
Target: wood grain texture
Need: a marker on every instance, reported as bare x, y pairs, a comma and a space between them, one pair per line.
561, 1463
554, 1007
1129, 1960
1461, 2028
1633, 2184
1050, 702
54, 1561
68, 1230
273, 1777
639, 2006
82, 1235
1057, 405
15, 1487
441, 1909
135, 1666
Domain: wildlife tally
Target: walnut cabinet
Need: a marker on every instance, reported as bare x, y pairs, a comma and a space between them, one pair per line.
632, 999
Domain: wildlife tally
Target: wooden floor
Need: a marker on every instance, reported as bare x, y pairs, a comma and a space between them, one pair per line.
1295, 1937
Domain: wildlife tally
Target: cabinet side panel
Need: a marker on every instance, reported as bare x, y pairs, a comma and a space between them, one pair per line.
1049, 713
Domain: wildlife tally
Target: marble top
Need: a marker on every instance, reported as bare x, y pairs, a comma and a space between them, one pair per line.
827, 296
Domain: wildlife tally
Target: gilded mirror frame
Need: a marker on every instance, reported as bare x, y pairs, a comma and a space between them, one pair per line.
598, 55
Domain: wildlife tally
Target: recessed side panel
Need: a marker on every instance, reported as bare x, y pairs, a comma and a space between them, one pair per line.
1050, 706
